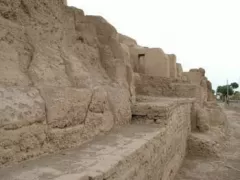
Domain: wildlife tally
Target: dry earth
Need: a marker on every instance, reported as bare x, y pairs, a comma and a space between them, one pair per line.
226, 167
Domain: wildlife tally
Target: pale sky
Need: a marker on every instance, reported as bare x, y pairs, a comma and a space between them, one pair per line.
202, 33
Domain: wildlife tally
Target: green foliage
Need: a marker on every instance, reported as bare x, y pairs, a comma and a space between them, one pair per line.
234, 85
223, 90
231, 87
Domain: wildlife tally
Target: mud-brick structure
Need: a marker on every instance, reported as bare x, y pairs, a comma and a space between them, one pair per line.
87, 103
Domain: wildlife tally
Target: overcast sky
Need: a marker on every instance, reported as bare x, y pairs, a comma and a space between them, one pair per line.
202, 33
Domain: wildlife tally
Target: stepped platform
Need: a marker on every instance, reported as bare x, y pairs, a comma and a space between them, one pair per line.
138, 151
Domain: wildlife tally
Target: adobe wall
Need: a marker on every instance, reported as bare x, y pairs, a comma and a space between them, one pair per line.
207, 118
130, 42
138, 63
137, 151
157, 63
179, 70
173, 115
149, 61
173, 65
194, 77
159, 86
64, 79
192, 84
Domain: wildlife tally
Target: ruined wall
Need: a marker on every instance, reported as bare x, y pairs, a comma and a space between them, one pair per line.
208, 122
192, 84
179, 70
130, 42
173, 115
173, 66
138, 59
138, 151
150, 61
160, 86
195, 76
64, 78
156, 63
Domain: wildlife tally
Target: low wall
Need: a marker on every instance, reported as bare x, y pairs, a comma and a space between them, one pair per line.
134, 152
174, 116
166, 87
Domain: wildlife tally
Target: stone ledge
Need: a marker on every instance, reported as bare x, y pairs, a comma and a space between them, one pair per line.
132, 152
156, 110
101, 156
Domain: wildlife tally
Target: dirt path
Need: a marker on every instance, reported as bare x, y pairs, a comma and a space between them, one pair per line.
227, 167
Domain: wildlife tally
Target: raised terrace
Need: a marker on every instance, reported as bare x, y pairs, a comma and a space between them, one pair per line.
80, 101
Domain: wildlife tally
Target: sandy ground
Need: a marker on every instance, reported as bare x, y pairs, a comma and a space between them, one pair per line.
226, 167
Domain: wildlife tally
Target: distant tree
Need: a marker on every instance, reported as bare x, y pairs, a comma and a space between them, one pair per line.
234, 85
223, 90
219, 89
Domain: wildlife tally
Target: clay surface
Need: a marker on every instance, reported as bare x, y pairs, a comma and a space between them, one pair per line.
61, 72
123, 154
82, 101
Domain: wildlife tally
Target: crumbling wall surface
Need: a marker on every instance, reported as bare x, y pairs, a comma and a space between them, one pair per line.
153, 85
134, 152
179, 70
210, 95
127, 40
166, 87
64, 78
187, 90
209, 130
198, 78
207, 118
209, 123
174, 116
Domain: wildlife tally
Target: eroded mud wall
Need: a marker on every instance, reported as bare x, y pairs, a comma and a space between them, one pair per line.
64, 78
